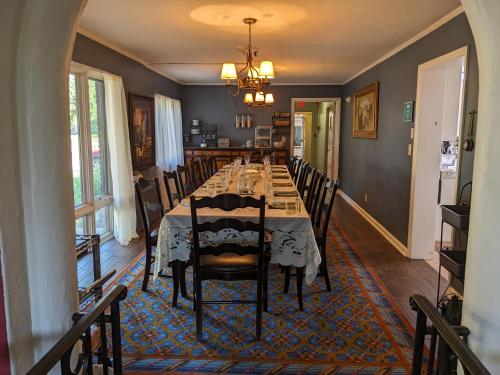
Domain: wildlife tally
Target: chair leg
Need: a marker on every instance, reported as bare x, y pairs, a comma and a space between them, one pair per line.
199, 310
147, 269
258, 325
287, 279
175, 280
300, 277
194, 291
324, 267
324, 271
266, 283
182, 277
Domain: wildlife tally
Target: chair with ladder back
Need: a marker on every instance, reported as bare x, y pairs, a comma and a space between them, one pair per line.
172, 185
229, 261
151, 208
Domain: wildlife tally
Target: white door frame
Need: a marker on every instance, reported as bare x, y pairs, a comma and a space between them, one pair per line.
461, 52
336, 150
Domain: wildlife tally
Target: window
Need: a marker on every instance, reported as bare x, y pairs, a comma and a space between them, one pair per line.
92, 195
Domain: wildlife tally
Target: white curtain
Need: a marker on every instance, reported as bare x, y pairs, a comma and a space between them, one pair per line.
168, 127
120, 160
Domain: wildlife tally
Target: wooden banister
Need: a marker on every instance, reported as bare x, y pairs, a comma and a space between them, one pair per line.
61, 351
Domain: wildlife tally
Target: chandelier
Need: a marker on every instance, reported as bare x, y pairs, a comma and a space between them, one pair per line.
250, 78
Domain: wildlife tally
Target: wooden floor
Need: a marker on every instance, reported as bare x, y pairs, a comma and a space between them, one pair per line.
113, 256
401, 276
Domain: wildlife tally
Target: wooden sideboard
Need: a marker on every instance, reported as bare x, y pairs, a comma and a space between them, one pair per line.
224, 156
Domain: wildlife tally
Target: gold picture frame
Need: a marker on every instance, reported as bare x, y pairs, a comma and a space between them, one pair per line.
365, 112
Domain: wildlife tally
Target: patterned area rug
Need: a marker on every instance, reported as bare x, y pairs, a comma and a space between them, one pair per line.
352, 330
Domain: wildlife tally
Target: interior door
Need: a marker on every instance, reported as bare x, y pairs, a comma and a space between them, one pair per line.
427, 160
331, 140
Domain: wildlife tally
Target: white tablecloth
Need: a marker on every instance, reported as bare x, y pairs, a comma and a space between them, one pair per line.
293, 237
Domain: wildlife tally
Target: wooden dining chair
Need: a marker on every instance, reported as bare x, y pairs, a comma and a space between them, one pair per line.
290, 162
205, 168
316, 192
305, 172
308, 185
151, 208
229, 261
198, 174
185, 181
212, 164
320, 223
296, 170
174, 192
312, 190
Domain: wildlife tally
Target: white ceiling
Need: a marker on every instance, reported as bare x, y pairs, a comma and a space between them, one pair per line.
309, 41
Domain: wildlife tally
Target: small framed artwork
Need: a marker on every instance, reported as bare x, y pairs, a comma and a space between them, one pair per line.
408, 111
365, 112
141, 117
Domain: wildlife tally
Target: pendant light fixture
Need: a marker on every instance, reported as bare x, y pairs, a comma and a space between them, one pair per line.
256, 80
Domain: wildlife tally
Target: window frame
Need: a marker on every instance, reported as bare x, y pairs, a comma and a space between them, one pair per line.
91, 204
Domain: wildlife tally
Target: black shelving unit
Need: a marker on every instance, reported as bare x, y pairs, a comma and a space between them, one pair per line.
453, 260
207, 133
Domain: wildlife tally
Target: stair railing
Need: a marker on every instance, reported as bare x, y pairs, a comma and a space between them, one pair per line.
82, 333
426, 310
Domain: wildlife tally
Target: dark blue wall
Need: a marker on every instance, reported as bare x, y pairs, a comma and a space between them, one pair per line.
382, 167
213, 105
136, 77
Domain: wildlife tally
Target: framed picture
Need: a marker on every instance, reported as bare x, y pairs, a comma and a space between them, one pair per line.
141, 115
365, 112
408, 111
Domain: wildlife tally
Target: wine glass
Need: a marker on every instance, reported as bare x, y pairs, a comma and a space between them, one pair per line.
247, 159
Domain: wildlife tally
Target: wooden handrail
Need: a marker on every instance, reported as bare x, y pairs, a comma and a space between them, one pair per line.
425, 309
64, 346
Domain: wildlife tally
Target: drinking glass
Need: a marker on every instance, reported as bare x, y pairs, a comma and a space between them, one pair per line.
291, 206
298, 204
247, 159
211, 189
240, 185
249, 184
227, 180
270, 194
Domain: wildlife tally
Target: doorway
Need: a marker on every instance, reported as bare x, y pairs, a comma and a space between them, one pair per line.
315, 133
436, 154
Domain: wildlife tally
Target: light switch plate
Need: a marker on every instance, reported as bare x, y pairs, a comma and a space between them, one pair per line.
412, 133
409, 149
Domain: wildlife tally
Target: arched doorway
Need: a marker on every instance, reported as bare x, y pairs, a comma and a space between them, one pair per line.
35, 237
481, 307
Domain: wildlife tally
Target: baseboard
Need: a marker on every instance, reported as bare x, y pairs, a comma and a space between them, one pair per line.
374, 223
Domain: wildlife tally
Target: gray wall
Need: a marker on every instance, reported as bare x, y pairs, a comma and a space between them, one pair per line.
136, 77
213, 105
382, 167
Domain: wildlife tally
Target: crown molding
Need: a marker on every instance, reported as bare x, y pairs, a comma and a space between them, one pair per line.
272, 85
440, 22
121, 51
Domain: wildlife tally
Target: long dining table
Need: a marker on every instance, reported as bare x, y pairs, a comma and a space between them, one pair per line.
293, 242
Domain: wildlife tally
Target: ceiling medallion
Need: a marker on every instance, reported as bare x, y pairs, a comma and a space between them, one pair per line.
256, 80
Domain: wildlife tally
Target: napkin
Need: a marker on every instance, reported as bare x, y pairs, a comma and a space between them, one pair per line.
281, 205
290, 192
279, 175
282, 183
